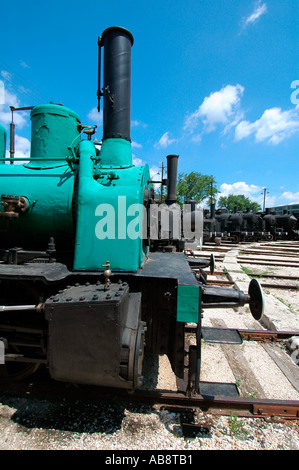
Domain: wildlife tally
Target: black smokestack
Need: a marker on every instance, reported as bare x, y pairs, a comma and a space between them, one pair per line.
212, 216
172, 171
117, 44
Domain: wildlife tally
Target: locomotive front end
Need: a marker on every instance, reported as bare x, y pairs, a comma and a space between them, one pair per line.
87, 277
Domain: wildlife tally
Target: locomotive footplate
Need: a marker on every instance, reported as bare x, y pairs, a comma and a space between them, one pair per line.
95, 335
221, 335
222, 389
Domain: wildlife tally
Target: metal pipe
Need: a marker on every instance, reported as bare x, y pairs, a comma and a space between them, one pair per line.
212, 215
11, 308
172, 171
12, 142
99, 92
117, 44
25, 159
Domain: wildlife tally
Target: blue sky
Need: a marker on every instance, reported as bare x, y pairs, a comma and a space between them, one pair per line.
211, 81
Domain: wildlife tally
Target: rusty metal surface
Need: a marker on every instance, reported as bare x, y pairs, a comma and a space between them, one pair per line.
258, 335
247, 407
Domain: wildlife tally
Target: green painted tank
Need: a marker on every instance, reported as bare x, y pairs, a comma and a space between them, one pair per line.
47, 182
53, 129
110, 213
2, 142
49, 194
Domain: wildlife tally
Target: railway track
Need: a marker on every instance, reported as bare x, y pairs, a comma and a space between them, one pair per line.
40, 386
274, 257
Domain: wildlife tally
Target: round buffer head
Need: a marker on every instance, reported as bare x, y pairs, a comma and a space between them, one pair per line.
212, 264
256, 302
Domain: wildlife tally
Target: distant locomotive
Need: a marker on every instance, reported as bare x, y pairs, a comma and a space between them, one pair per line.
249, 225
82, 292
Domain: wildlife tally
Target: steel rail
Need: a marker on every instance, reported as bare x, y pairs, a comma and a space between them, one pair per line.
263, 284
264, 263
280, 286
271, 260
273, 276
246, 407
285, 254
255, 335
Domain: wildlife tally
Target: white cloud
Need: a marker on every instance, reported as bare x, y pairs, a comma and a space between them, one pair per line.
256, 194
223, 109
20, 118
22, 146
259, 10
239, 188
137, 161
219, 108
2, 92
24, 64
290, 198
95, 116
165, 141
136, 123
252, 191
22, 149
6, 75
136, 145
273, 127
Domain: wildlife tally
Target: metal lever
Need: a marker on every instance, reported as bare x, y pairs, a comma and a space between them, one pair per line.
107, 274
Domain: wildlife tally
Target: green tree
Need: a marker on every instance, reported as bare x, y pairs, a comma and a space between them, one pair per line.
240, 201
195, 186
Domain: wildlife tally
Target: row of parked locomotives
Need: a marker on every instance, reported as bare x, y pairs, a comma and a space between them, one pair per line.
249, 225
83, 291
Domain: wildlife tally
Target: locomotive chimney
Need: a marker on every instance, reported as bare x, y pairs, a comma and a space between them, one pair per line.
172, 171
212, 216
117, 43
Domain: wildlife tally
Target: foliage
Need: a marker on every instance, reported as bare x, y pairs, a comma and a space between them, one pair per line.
240, 201
237, 428
195, 186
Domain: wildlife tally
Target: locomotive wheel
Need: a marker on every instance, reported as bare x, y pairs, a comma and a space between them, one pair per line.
139, 354
16, 371
234, 239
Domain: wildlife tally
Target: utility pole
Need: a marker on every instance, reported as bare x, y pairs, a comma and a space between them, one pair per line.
264, 203
162, 183
212, 181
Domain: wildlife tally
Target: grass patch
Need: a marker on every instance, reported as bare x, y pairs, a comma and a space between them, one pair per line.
236, 428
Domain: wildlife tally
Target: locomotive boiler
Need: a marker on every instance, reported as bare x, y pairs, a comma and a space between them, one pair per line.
83, 288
